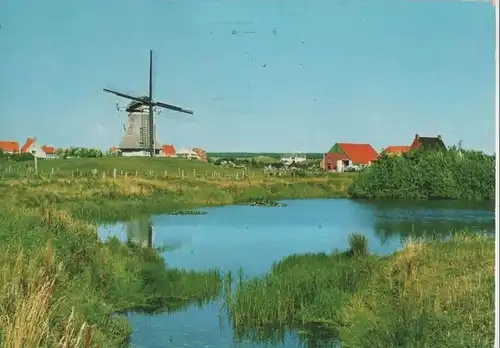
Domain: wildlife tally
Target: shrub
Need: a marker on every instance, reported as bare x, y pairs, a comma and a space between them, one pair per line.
451, 174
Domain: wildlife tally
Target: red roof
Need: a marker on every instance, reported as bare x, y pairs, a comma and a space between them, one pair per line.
49, 150
168, 150
9, 146
201, 153
27, 144
397, 149
359, 153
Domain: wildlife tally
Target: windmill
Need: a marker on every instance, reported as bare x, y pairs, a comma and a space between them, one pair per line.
140, 132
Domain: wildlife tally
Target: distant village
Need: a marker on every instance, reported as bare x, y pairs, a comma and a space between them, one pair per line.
33, 147
340, 158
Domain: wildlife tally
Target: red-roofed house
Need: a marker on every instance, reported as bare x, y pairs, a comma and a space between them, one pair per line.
9, 146
31, 146
49, 150
396, 150
113, 151
344, 155
202, 155
168, 151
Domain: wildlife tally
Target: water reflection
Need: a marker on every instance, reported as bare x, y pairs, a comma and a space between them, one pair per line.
140, 231
306, 336
429, 219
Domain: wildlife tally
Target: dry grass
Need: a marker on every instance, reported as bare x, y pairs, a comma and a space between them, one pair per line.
144, 187
27, 304
438, 294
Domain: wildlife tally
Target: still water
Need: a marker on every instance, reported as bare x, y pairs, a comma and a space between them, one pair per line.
252, 238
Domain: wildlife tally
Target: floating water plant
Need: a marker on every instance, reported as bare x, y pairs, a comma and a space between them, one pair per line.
261, 202
187, 212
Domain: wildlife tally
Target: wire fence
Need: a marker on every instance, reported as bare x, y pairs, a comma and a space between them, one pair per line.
19, 171
16, 172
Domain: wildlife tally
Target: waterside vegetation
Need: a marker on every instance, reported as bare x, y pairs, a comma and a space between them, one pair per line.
60, 285
437, 294
452, 174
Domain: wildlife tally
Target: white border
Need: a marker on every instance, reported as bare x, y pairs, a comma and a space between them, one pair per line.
497, 183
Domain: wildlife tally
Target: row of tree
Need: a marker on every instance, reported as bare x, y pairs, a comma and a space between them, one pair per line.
71, 152
79, 152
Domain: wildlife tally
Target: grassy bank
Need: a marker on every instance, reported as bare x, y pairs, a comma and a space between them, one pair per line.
452, 174
108, 199
60, 285
58, 282
438, 294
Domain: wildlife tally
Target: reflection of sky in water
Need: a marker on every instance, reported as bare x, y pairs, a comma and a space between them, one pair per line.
252, 238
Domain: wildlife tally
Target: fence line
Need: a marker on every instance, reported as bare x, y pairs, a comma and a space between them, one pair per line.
16, 171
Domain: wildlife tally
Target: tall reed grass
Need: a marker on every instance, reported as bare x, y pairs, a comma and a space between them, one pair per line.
433, 294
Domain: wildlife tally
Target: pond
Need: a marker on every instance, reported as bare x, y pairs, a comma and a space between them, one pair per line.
250, 239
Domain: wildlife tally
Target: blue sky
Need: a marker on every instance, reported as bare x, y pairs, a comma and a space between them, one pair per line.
336, 71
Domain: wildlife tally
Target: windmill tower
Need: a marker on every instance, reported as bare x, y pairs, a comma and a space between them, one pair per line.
136, 140
140, 134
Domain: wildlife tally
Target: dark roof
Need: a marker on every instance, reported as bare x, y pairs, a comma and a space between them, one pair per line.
135, 105
427, 143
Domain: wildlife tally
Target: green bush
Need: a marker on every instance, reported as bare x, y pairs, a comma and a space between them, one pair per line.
451, 174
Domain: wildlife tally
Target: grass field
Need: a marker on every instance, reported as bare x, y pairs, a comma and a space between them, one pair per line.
438, 294
130, 166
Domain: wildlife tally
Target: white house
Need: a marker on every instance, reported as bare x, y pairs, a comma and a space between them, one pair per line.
293, 158
44, 152
187, 153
